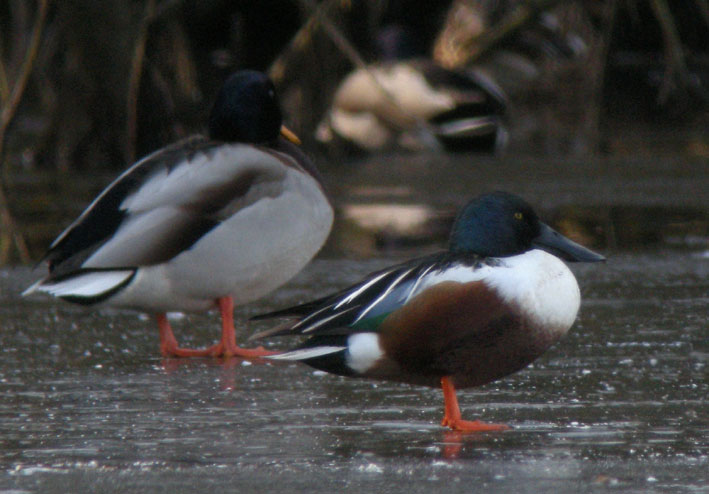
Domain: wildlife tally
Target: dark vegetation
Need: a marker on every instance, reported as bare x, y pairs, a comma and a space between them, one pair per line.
87, 86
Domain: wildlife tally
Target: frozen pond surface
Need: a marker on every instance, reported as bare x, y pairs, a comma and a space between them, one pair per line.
620, 405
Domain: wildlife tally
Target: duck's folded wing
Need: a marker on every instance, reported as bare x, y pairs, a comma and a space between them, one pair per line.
360, 307
164, 204
105, 214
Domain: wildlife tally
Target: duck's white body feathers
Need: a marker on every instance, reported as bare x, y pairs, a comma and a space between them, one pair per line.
537, 283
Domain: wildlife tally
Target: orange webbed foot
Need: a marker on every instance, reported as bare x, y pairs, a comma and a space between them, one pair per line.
169, 346
246, 353
452, 417
218, 350
171, 349
472, 425
226, 348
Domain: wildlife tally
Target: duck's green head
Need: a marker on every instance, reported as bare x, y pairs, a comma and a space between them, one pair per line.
246, 109
501, 224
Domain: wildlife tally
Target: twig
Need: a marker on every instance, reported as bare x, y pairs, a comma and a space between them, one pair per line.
512, 22
346, 47
10, 108
10, 233
4, 85
335, 34
151, 14
674, 55
136, 70
596, 71
299, 42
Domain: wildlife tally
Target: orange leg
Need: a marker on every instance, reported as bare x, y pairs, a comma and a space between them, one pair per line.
452, 417
227, 347
168, 342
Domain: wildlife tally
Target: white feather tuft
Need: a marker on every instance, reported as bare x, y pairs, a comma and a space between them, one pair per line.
363, 351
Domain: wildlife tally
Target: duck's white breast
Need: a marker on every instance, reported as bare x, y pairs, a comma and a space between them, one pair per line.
541, 286
537, 283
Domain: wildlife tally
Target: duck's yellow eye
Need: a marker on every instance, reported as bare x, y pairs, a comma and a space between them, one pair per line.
518, 215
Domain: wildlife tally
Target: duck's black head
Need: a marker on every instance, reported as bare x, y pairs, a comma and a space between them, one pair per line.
502, 224
246, 109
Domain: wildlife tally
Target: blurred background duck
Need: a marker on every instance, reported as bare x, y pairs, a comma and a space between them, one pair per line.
411, 102
454, 92
536, 57
203, 223
491, 304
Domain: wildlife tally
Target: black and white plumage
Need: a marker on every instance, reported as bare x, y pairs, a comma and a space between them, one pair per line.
416, 104
202, 222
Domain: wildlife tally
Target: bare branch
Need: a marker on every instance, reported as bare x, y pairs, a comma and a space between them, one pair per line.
4, 85
11, 101
10, 108
299, 42
346, 47
9, 233
474, 47
136, 71
676, 67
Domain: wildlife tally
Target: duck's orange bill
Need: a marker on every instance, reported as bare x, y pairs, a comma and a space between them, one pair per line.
290, 135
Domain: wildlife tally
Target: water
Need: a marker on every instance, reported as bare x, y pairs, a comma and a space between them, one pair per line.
620, 405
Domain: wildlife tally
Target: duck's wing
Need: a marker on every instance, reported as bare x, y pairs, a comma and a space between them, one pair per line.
362, 307
165, 203
103, 217
475, 120
398, 316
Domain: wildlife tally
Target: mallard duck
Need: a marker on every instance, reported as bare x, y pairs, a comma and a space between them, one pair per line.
488, 306
208, 221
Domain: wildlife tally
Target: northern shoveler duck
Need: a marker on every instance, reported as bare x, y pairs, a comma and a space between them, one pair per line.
416, 104
204, 222
497, 299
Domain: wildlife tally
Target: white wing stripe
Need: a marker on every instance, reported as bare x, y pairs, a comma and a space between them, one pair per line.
307, 353
383, 295
418, 281
361, 289
309, 317
327, 319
